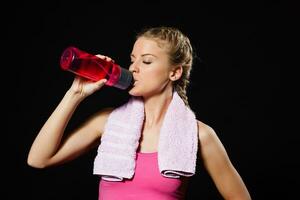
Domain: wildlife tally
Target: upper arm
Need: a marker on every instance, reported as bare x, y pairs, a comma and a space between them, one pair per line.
219, 166
82, 139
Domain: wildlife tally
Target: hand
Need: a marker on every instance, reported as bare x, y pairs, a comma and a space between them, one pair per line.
85, 87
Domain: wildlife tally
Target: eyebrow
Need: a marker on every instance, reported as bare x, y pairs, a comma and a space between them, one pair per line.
146, 54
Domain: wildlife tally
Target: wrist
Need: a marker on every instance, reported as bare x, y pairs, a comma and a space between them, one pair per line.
73, 95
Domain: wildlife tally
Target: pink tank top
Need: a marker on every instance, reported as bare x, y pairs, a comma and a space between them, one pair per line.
146, 184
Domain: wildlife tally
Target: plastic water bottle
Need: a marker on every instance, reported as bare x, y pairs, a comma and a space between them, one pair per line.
94, 68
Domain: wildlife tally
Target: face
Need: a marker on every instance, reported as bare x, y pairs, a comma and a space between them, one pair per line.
151, 68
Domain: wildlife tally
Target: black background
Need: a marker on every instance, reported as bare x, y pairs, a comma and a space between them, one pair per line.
236, 86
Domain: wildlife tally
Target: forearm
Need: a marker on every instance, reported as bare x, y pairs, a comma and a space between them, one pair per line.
49, 138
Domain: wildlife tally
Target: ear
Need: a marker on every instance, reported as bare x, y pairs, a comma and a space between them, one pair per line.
175, 73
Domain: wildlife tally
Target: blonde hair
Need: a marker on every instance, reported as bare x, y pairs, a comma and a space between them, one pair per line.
180, 53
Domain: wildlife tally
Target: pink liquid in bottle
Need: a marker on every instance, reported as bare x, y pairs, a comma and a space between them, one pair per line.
94, 68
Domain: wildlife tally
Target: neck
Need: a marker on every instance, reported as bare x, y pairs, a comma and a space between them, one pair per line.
156, 107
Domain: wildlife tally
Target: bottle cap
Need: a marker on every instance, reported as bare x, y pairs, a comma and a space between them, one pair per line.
125, 79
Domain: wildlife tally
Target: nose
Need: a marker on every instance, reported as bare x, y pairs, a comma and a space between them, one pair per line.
134, 67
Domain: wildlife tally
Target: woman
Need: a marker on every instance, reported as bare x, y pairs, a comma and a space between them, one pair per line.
161, 62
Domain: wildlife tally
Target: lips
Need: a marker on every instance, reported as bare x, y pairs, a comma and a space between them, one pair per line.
135, 80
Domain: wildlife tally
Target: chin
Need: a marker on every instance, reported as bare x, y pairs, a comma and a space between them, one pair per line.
134, 93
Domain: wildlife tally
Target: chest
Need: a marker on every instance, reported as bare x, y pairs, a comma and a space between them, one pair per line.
147, 183
149, 140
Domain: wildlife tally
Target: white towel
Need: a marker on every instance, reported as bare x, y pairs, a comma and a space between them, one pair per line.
177, 148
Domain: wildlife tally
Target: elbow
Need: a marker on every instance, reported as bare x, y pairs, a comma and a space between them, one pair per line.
35, 163
242, 197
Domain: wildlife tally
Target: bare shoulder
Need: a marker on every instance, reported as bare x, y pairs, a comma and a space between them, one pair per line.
98, 120
105, 112
101, 115
206, 133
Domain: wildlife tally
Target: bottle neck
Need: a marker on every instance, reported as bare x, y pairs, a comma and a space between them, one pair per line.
125, 81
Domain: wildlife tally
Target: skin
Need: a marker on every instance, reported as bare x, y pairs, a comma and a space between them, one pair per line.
154, 76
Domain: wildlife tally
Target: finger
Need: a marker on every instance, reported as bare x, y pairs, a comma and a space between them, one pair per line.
105, 58
100, 56
101, 82
108, 59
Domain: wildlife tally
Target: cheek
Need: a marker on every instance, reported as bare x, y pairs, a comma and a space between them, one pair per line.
155, 80
155, 74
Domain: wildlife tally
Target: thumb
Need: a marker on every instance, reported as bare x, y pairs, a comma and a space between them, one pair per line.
101, 82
